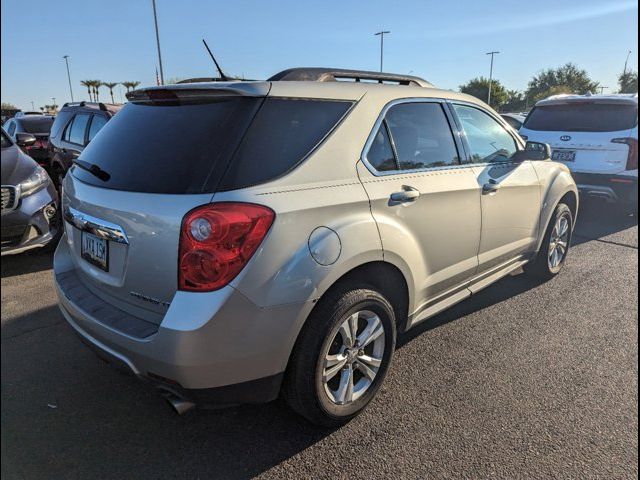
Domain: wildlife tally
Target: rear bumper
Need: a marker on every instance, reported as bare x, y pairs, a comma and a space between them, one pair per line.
612, 188
211, 348
28, 226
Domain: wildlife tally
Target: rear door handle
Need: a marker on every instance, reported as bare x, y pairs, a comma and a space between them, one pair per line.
408, 194
491, 187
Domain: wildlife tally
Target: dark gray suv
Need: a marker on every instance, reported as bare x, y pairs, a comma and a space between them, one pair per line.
29, 199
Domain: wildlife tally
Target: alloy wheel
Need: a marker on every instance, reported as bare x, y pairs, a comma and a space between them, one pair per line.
354, 357
559, 242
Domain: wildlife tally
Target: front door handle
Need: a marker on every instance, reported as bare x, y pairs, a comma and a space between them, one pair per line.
491, 187
408, 194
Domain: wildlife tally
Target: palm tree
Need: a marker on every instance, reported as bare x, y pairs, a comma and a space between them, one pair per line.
130, 85
96, 92
111, 86
88, 84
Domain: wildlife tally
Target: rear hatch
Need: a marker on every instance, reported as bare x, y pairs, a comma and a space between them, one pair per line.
588, 136
125, 199
167, 152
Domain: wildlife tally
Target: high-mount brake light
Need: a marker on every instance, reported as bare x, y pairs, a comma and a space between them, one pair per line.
217, 241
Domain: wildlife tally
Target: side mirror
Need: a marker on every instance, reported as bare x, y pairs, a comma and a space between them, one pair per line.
533, 151
25, 139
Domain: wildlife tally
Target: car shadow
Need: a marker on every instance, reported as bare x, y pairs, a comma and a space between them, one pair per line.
598, 220
31, 261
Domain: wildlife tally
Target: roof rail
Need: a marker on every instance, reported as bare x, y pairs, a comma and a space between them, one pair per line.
102, 106
319, 74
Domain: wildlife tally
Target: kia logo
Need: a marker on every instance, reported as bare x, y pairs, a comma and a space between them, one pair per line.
565, 138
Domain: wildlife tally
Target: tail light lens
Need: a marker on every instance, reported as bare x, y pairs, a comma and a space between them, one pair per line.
217, 241
632, 158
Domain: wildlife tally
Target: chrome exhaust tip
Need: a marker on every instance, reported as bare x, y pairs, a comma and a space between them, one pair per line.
179, 405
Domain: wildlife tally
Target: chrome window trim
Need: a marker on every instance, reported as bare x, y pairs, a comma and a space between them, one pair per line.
367, 146
99, 228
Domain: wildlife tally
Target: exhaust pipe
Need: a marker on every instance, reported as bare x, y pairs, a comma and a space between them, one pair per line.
179, 405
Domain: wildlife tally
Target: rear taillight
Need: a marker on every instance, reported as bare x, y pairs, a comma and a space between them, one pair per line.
217, 241
632, 158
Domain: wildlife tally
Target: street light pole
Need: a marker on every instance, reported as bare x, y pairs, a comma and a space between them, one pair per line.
624, 72
33, 106
66, 59
155, 19
382, 34
490, 76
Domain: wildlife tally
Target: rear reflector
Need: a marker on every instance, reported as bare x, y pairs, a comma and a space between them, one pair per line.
217, 241
632, 158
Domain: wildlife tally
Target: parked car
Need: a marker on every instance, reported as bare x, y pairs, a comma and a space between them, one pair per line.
37, 125
231, 242
596, 136
75, 126
29, 200
514, 119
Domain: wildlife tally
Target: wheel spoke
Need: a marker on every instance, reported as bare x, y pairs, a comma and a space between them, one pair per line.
345, 333
353, 326
333, 364
364, 368
564, 227
344, 394
369, 360
371, 332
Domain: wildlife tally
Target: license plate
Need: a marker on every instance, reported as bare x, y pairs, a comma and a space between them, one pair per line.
95, 250
564, 155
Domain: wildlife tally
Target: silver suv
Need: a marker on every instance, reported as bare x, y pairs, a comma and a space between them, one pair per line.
234, 242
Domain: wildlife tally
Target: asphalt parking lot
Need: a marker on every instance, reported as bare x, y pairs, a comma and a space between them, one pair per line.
522, 380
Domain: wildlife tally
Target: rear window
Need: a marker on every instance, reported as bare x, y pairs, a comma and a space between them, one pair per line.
187, 148
283, 133
583, 117
37, 124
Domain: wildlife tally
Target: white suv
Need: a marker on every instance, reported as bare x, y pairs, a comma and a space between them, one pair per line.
596, 136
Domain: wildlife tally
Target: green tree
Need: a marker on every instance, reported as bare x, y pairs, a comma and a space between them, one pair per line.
628, 82
96, 89
479, 88
516, 102
566, 79
111, 86
9, 106
557, 90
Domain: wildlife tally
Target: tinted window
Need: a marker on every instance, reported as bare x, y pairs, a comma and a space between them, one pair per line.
36, 124
60, 122
283, 133
76, 130
421, 135
513, 122
583, 117
380, 155
97, 122
168, 147
11, 129
488, 140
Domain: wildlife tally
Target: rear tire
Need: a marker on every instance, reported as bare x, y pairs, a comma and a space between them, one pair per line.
331, 379
555, 246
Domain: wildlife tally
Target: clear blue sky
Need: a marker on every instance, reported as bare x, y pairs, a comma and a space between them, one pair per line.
442, 41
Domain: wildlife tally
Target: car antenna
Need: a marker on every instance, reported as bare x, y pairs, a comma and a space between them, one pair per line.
223, 77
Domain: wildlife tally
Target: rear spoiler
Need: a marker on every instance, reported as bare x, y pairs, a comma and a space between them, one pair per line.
195, 91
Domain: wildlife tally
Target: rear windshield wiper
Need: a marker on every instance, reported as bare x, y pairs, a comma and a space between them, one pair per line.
93, 169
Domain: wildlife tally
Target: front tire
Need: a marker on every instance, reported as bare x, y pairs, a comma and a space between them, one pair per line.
341, 357
555, 246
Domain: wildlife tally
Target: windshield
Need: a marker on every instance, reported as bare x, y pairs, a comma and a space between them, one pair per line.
583, 117
37, 124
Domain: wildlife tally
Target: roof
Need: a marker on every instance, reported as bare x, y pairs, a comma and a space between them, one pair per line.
304, 89
625, 98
